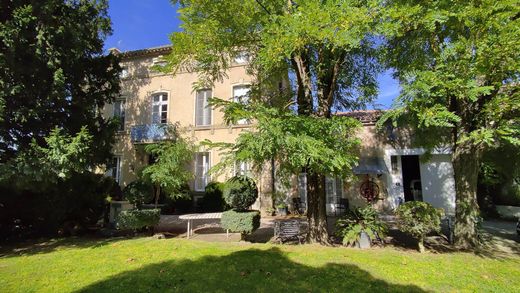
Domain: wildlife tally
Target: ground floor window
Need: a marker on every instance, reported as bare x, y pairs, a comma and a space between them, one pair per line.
333, 189
201, 170
114, 168
242, 168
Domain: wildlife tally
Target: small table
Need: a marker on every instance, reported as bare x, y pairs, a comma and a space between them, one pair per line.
205, 216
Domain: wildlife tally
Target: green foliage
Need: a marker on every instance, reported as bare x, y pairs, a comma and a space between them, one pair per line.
418, 218
366, 219
325, 145
79, 199
169, 170
458, 64
240, 192
55, 75
138, 219
138, 192
213, 200
240, 222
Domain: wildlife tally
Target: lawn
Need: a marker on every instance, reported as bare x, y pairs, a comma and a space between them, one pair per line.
148, 264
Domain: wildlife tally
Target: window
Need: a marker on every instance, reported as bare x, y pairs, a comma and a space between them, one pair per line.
242, 58
393, 162
242, 168
241, 95
202, 109
302, 188
333, 189
114, 168
201, 170
124, 72
159, 108
159, 61
119, 113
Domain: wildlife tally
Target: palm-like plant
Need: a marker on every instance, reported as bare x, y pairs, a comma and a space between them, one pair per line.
364, 219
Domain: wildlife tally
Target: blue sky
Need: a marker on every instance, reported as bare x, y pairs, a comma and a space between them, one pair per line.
139, 24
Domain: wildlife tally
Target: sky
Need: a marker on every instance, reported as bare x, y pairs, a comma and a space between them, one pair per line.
139, 24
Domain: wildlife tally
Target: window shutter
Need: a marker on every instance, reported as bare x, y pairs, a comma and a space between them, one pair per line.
199, 108
207, 108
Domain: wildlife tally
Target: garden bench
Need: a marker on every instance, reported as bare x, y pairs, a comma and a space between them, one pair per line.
206, 216
285, 230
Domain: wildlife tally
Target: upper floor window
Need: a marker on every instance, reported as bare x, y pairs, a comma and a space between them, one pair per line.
202, 108
159, 108
241, 58
241, 95
124, 73
119, 113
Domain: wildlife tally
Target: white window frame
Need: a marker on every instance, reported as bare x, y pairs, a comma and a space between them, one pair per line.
115, 170
162, 105
243, 99
206, 111
119, 112
334, 191
201, 178
242, 58
242, 168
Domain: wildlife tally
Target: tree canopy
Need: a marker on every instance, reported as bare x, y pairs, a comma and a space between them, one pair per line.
458, 63
55, 75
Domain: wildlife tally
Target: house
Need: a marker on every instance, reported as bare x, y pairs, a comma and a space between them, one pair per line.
388, 172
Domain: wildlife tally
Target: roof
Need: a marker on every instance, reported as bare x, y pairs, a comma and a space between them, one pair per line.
142, 52
365, 116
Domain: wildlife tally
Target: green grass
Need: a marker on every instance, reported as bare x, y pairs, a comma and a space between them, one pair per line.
148, 265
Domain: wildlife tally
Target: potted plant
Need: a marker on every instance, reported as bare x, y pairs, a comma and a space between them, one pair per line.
281, 209
360, 227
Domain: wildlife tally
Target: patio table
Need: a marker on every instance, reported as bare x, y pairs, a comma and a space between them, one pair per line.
204, 216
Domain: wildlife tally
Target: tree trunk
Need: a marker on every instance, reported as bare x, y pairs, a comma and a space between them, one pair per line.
316, 211
466, 159
420, 244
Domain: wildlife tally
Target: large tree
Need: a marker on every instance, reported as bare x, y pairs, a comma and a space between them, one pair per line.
458, 63
323, 48
55, 75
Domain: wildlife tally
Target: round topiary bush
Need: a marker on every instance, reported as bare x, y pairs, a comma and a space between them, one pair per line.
138, 192
418, 218
213, 200
240, 192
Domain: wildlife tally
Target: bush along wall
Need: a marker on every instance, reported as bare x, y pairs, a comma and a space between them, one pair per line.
138, 219
240, 192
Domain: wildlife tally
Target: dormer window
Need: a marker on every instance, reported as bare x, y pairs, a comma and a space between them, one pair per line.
242, 58
159, 61
123, 73
159, 108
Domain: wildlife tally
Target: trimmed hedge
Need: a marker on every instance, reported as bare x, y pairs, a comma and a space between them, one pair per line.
137, 219
240, 222
240, 192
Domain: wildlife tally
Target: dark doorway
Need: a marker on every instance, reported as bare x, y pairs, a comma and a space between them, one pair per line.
411, 178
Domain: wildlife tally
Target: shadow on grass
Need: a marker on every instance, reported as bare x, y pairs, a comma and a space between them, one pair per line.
32, 246
246, 271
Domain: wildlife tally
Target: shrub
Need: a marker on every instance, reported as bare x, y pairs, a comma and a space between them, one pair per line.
78, 201
240, 221
137, 219
350, 226
418, 218
240, 192
213, 200
138, 192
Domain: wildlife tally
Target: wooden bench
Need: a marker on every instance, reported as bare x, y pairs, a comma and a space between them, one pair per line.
285, 230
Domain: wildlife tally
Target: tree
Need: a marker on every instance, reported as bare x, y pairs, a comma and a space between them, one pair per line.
55, 75
169, 173
322, 48
458, 63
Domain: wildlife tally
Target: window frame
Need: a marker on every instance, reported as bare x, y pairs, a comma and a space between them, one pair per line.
206, 163
207, 108
160, 104
122, 110
235, 99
